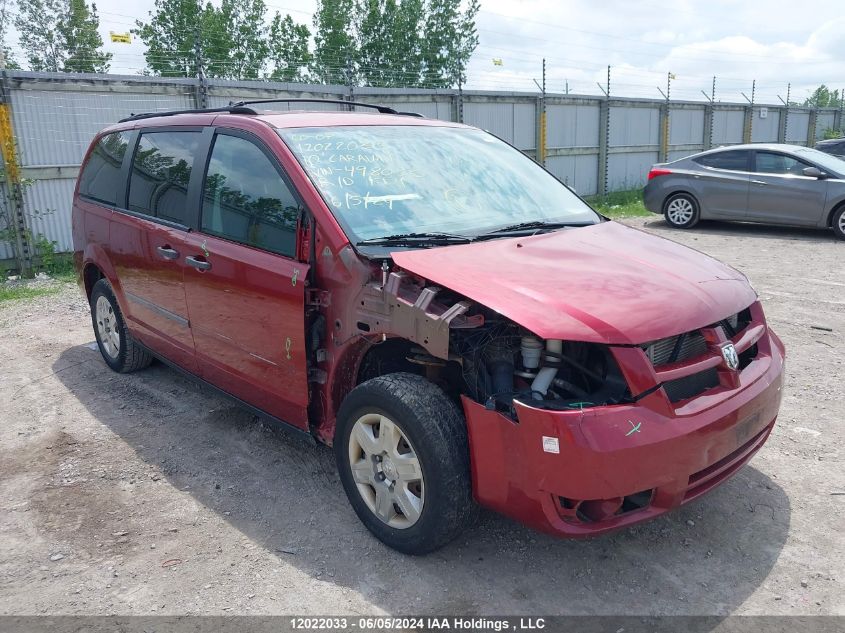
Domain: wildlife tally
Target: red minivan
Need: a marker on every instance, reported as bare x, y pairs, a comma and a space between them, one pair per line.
456, 322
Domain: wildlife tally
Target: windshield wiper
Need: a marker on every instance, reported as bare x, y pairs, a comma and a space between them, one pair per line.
417, 239
534, 225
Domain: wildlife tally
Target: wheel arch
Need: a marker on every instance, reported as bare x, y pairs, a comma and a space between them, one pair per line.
833, 211
368, 359
91, 274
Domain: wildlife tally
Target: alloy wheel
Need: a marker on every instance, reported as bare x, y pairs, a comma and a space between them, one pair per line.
386, 470
680, 211
107, 330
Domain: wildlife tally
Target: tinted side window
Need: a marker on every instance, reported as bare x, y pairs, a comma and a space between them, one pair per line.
161, 170
735, 160
771, 163
246, 200
100, 178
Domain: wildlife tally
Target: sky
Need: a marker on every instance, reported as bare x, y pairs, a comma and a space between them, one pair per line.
774, 42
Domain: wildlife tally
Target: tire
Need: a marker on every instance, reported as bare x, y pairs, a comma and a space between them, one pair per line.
838, 223
681, 211
118, 348
422, 513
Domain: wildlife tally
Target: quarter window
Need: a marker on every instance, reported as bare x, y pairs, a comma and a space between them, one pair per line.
100, 179
772, 163
246, 200
161, 170
733, 160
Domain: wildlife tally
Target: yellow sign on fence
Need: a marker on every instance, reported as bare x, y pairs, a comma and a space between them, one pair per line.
123, 38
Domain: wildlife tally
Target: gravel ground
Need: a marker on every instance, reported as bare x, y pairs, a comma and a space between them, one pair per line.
146, 494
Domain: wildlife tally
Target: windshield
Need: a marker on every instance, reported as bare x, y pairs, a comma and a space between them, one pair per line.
391, 180
825, 161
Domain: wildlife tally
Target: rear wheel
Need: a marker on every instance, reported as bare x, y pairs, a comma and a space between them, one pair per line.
681, 211
839, 223
403, 457
119, 349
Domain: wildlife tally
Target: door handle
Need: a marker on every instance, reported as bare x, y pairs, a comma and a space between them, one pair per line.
199, 264
759, 182
167, 252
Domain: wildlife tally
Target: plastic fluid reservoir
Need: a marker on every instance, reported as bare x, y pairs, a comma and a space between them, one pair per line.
531, 349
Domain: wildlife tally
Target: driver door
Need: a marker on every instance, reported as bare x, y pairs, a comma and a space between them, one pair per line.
782, 194
245, 287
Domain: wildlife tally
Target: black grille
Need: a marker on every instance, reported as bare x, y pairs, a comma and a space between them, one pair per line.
660, 352
689, 386
691, 344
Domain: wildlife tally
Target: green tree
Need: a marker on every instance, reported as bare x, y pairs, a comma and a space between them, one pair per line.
335, 45
823, 97
232, 38
390, 42
5, 19
38, 24
246, 38
170, 34
78, 29
406, 43
288, 49
448, 42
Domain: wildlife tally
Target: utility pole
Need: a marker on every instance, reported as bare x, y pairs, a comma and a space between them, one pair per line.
201, 96
784, 122
604, 137
350, 84
541, 119
664, 122
749, 113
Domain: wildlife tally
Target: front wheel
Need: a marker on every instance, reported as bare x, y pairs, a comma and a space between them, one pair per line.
681, 211
839, 223
403, 457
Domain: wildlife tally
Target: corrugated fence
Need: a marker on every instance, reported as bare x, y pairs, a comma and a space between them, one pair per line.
595, 145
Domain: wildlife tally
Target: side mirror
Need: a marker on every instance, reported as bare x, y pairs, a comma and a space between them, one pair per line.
814, 172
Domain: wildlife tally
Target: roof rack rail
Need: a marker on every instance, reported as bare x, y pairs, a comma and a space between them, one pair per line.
381, 108
231, 109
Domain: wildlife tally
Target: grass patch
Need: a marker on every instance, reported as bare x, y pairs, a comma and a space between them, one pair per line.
621, 204
59, 270
15, 291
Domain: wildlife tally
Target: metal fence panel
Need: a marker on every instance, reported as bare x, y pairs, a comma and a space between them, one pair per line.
631, 126
572, 125
796, 127
686, 126
514, 122
429, 109
727, 126
55, 127
629, 170
47, 204
579, 172
765, 130
824, 121
680, 153
496, 118
525, 125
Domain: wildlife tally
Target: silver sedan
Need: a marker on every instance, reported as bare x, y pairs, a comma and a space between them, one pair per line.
768, 183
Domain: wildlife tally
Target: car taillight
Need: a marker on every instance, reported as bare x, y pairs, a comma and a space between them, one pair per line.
654, 173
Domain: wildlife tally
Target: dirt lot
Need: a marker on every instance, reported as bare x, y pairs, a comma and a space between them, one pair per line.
145, 494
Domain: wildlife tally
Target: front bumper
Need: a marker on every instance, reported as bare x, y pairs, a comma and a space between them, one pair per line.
623, 464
